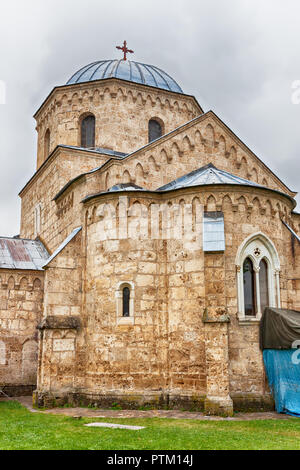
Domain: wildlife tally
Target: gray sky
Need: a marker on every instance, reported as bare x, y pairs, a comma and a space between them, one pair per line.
238, 57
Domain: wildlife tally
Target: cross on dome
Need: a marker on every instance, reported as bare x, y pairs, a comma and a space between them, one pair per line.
125, 50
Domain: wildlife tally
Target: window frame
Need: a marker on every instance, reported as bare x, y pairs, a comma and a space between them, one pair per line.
83, 118
253, 286
120, 318
258, 247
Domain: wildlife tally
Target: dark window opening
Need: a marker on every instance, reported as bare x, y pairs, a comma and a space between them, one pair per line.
88, 132
126, 299
249, 287
155, 130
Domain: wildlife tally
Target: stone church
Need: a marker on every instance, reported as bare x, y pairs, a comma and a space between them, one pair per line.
151, 240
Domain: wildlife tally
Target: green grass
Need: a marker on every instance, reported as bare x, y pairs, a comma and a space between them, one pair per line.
20, 429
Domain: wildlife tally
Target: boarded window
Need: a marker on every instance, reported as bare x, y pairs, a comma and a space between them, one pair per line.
126, 299
263, 285
155, 130
249, 287
213, 231
88, 132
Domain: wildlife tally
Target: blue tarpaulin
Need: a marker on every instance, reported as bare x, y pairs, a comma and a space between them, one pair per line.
283, 372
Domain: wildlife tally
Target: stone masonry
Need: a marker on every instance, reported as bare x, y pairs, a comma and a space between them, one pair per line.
184, 343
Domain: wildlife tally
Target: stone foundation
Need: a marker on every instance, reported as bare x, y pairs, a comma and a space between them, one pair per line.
218, 406
251, 403
134, 401
18, 390
200, 403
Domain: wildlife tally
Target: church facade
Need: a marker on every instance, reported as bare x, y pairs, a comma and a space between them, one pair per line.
151, 240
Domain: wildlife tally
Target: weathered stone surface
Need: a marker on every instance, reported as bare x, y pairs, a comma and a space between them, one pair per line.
59, 323
18, 335
183, 344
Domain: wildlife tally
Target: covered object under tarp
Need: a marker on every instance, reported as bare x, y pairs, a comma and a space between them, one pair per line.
283, 372
279, 328
279, 334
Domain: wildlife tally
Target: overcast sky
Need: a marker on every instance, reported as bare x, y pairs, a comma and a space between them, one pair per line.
238, 57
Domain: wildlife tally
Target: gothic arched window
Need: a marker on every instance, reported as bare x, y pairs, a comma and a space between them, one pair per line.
258, 277
155, 130
263, 285
88, 132
249, 287
126, 302
46, 144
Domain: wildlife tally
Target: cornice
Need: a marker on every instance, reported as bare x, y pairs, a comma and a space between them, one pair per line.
195, 190
104, 83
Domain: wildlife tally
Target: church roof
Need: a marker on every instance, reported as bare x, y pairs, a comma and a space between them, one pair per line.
101, 150
126, 70
291, 230
207, 175
204, 176
62, 246
125, 187
19, 253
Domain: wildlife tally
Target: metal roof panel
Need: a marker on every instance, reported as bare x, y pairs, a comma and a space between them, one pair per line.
19, 253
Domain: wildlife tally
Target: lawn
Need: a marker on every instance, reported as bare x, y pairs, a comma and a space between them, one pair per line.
21, 429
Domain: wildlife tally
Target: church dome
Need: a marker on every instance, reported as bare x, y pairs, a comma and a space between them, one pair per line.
126, 70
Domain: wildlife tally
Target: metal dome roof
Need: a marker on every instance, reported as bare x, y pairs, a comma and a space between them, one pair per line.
126, 70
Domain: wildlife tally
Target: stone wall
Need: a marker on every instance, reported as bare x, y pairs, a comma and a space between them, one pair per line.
60, 355
61, 167
159, 163
184, 344
21, 299
205, 140
122, 111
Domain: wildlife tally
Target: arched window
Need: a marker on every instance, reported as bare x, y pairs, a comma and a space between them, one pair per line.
88, 132
263, 285
126, 299
258, 269
125, 294
155, 130
249, 287
46, 144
